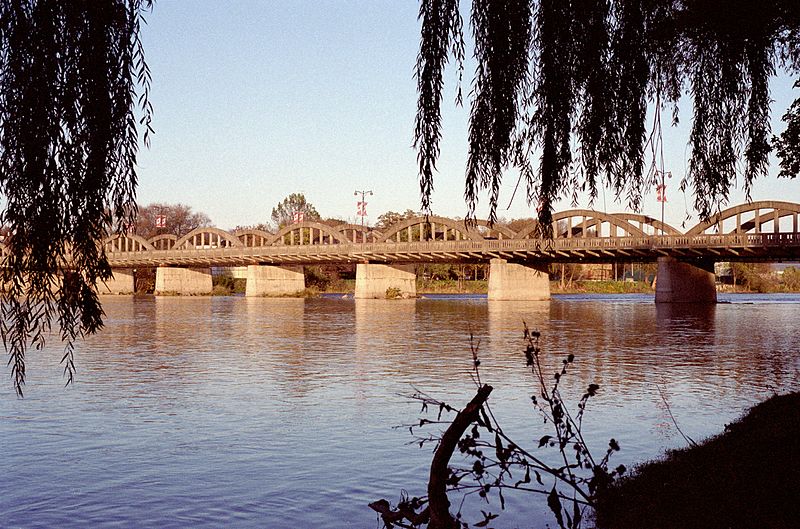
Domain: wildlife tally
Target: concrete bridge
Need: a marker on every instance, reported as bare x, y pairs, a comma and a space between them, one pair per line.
758, 231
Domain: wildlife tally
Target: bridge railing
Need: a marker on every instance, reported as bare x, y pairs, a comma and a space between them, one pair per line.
579, 247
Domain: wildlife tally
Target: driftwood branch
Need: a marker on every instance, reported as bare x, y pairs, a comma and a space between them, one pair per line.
437, 513
438, 504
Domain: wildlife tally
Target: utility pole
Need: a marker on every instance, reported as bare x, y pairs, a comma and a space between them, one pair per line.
661, 194
362, 206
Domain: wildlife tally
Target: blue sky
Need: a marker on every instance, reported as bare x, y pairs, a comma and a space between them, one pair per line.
255, 100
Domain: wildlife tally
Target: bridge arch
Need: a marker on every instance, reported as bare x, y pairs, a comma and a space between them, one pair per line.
528, 230
753, 216
589, 220
206, 238
165, 241
308, 233
645, 220
126, 243
253, 237
359, 233
430, 228
593, 219
493, 232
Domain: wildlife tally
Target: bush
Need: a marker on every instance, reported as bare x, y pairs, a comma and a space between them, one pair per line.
227, 285
393, 293
791, 279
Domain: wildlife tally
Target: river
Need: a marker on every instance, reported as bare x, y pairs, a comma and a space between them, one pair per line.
279, 413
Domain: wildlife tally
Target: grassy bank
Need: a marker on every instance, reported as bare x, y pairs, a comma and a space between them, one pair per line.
348, 286
227, 286
451, 286
481, 287
601, 287
744, 477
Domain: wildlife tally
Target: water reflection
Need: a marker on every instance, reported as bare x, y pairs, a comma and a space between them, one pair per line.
382, 321
686, 315
509, 316
211, 412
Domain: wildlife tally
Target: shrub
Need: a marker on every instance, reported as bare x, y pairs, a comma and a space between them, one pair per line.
393, 293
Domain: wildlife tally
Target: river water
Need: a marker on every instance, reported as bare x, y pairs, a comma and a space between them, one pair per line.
279, 413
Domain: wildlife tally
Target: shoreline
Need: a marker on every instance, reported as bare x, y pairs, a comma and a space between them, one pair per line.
453, 287
744, 476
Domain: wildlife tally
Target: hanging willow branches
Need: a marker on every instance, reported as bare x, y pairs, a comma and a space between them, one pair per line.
69, 76
563, 91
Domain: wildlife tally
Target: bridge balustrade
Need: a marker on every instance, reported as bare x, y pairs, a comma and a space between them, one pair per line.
451, 241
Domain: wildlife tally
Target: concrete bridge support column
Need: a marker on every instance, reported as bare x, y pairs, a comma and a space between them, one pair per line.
121, 283
683, 282
518, 282
183, 281
372, 280
265, 280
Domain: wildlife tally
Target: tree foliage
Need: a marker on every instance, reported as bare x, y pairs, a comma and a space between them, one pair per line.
179, 219
562, 89
787, 145
69, 76
283, 213
390, 218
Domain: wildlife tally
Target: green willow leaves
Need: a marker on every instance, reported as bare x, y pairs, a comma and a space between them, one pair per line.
441, 31
69, 77
570, 93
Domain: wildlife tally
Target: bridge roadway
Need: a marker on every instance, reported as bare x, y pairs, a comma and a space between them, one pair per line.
755, 247
758, 231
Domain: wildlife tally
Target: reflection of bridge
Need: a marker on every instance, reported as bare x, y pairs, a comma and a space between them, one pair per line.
756, 231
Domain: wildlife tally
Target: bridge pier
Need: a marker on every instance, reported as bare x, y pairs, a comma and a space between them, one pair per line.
265, 280
183, 281
121, 283
372, 280
518, 282
684, 282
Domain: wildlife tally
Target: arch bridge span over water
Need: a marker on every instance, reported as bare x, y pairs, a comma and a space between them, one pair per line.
757, 231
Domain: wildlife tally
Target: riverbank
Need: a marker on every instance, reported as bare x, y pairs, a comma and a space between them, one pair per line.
744, 477
228, 286
424, 286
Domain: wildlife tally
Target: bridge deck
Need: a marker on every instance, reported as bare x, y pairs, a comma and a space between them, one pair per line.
730, 247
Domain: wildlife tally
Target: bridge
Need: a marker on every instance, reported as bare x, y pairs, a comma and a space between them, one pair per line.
756, 231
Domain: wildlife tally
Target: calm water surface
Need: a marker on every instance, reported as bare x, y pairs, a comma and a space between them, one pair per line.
279, 413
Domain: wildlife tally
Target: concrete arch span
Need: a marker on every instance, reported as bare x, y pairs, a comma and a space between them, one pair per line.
751, 217
252, 237
658, 226
165, 241
359, 233
589, 219
528, 231
429, 228
493, 232
127, 243
308, 233
206, 238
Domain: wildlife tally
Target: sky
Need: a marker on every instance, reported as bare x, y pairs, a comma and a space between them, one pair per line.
255, 100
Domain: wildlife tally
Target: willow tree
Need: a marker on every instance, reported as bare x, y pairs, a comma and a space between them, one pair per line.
570, 93
71, 77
